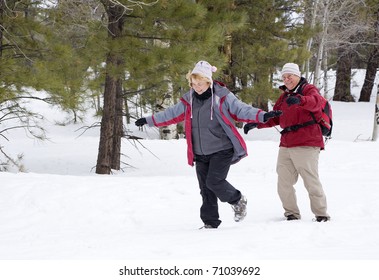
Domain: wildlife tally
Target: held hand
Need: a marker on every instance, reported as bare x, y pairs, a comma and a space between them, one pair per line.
292, 100
141, 122
249, 126
271, 114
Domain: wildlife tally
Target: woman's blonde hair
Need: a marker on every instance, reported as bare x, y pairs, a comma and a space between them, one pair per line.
196, 76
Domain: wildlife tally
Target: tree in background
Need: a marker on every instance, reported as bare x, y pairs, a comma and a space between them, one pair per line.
42, 48
349, 26
24, 53
371, 48
124, 55
184, 33
342, 41
273, 35
74, 48
139, 62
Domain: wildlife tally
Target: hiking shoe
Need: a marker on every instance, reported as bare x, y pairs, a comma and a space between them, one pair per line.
322, 219
240, 209
206, 226
292, 217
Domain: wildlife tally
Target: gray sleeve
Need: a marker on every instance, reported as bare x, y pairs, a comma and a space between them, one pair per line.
242, 111
171, 115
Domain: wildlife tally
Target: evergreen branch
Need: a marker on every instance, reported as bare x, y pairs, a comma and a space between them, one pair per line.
6, 46
14, 43
87, 127
139, 4
136, 139
128, 9
12, 161
16, 127
128, 165
145, 89
151, 37
46, 99
7, 157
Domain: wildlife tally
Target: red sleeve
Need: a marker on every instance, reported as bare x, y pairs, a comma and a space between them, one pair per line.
311, 99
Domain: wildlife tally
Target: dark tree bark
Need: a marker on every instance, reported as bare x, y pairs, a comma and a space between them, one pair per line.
110, 134
228, 78
376, 118
368, 85
372, 66
342, 91
105, 152
118, 128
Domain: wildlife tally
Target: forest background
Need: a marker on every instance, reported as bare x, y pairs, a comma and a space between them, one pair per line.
126, 58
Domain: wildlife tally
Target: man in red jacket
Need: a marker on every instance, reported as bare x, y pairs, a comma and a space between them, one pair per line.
300, 143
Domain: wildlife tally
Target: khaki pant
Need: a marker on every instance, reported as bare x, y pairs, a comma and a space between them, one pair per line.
302, 161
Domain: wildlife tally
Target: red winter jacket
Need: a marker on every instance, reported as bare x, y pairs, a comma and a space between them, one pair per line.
311, 101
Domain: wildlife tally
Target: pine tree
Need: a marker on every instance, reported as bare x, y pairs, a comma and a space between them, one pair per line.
271, 38
36, 53
40, 48
156, 45
20, 43
372, 47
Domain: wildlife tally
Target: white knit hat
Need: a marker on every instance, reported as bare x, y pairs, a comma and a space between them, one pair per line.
291, 68
204, 69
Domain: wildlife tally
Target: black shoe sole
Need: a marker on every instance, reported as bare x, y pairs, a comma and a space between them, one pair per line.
322, 219
292, 218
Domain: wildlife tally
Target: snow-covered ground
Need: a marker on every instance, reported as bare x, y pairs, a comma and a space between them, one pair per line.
149, 213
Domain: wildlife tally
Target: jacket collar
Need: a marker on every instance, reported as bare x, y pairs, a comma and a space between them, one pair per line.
301, 84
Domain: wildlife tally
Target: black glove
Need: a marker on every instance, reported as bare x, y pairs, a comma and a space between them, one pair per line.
141, 122
291, 100
271, 114
249, 126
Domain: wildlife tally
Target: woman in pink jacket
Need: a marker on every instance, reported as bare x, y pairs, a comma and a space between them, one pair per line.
209, 111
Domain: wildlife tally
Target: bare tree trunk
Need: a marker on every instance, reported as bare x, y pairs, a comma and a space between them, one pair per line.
98, 102
372, 66
342, 91
320, 52
227, 49
168, 132
109, 146
314, 8
127, 112
105, 153
325, 69
376, 120
118, 128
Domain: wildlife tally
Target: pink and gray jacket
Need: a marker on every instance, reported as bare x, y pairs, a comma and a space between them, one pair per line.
226, 109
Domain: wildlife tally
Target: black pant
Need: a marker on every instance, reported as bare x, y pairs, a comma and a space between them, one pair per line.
211, 173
